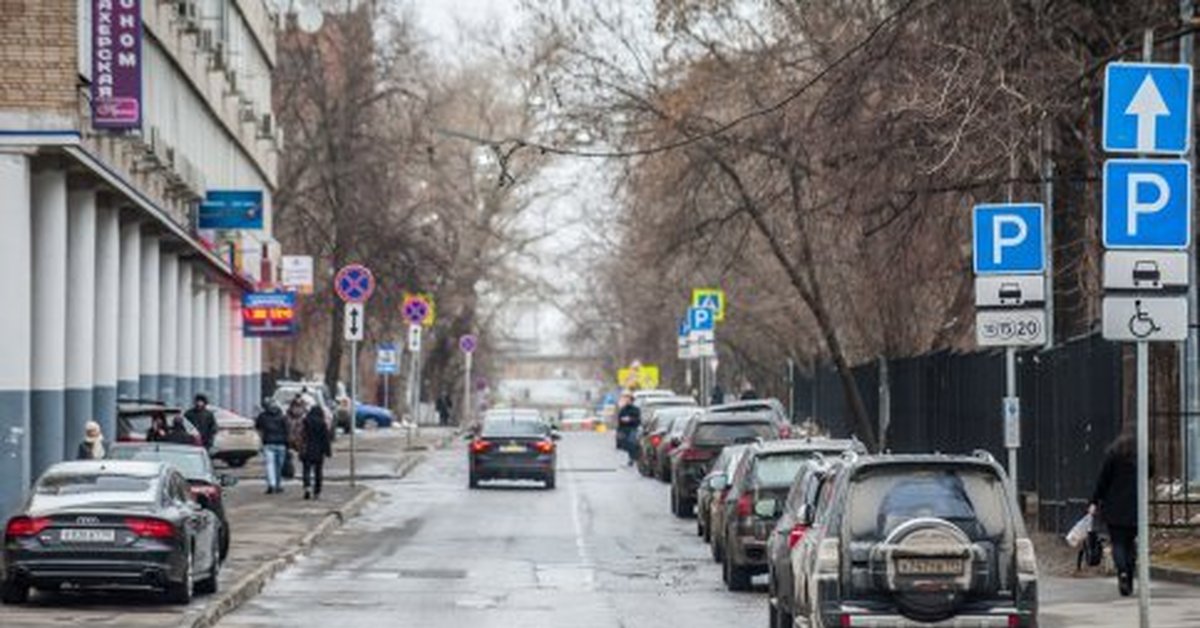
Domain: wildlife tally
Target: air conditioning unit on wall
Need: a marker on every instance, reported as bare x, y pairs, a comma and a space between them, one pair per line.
266, 127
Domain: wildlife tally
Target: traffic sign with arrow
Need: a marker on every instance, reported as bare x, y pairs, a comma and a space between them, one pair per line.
354, 322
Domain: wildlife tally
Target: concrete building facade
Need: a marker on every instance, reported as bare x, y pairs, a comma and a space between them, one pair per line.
110, 290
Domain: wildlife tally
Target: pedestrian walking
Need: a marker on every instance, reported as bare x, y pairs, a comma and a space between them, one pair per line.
718, 395
92, 447
629, 419
1115, 502
273, 429
158, 428
316, 448
203, 419
444, 405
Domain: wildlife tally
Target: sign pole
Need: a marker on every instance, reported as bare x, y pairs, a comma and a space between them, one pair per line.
1189, 368
1143, 482
466, 403
1010, 390
353, 397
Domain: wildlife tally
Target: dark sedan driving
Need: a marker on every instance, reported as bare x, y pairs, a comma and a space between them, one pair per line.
512, 446
106, 523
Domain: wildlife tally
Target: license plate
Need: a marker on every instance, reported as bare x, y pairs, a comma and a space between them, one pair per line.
512, 449
928, 566
72, 535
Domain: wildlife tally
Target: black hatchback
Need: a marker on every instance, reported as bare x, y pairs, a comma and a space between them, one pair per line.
512, 447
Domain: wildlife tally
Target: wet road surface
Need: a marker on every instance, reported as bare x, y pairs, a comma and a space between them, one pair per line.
600, 551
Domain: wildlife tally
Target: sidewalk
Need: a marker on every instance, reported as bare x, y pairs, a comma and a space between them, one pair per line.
268, 533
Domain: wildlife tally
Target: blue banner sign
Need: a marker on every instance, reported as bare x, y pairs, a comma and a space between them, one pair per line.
231, 209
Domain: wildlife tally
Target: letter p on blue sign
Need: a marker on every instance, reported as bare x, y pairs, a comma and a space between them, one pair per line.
1009, 239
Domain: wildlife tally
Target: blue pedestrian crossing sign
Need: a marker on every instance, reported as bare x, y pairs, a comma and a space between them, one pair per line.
1009, 238
1147, 204
1147, 108
684, 327
701, 319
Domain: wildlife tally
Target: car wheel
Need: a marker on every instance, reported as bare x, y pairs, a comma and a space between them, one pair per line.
181, 592
370, 424
687, 508
224, 542
236, 463
737, 577
772, 615
783, 617
550, 482
699, 528
209, 585
718, 556
472, 480
14, 592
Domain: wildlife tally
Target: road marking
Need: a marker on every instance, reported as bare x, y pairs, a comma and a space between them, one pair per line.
581, 548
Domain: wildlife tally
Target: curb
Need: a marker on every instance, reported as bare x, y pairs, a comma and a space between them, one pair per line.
252, 583
1178, 575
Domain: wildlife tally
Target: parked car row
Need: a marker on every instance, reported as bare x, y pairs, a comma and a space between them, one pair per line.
151, 515
846, 538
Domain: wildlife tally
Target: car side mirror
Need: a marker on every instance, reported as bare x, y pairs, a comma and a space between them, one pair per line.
468, 436
555, 435
227, 481
718, 483
766, 508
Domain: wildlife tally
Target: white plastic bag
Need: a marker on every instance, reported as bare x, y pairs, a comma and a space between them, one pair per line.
1079, 531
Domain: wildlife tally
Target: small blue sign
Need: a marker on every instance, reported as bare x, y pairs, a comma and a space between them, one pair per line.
387, 360
1147, 108
231, 209
684, 327
700, 319
1009, 239
1147, 204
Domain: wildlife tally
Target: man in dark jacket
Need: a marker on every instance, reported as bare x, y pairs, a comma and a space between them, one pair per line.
629, 419
203, 419
1115, 500
272, 428
315, 450
444, 405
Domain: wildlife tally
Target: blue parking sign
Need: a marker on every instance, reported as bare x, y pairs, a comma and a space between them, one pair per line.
1009, 238
700, 319
1147, 204
1147, 108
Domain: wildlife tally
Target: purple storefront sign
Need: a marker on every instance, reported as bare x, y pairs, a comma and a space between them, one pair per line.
117, 64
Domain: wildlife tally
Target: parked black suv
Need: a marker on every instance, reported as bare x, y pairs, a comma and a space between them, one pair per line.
903, 539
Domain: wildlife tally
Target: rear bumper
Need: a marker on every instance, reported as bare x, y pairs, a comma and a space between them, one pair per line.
859, 617
513, 469
749, 552
154, 571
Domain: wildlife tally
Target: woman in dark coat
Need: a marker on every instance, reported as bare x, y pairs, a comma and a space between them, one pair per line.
1115, 502
314, 450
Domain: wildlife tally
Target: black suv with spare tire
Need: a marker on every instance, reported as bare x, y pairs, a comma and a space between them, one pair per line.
906, 540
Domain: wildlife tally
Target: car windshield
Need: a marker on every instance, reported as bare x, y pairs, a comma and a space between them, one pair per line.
192, 464
512, 427
780, 469
140, 423
970, 498
708, 434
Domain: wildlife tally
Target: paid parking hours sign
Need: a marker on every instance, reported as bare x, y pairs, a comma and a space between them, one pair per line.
1009, 258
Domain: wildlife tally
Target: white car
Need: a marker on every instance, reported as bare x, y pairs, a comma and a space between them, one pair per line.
237, 441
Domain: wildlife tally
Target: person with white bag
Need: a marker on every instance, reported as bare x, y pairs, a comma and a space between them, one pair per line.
1115, 502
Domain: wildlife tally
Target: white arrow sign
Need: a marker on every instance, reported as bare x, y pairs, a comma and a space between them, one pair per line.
354, 322
1147, 105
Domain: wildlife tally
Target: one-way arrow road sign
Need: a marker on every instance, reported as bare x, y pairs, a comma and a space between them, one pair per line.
354, 322
1147, 108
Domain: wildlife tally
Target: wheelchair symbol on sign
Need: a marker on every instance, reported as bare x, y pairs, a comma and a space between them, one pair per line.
1141, 324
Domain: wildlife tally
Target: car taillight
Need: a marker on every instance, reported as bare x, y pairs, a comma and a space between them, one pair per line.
655, 440
544, 447
25, 526
150, 528
480, 446
744, 505
206, 490
1014, 621
829, 559
785, 431
796, 535
846, 621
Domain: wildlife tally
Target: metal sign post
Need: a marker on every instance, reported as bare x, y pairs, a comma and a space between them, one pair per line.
1147, 218
354, 284
467, 344
1010, 289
